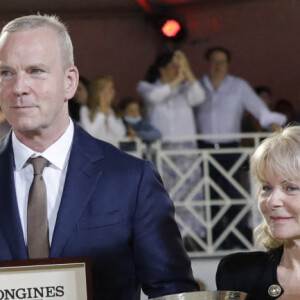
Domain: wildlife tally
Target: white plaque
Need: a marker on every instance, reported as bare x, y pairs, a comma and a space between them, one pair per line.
49, 279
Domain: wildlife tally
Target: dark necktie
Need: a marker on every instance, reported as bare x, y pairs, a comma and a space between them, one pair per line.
37, 223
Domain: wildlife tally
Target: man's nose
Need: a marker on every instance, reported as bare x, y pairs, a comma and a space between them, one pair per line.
20, 85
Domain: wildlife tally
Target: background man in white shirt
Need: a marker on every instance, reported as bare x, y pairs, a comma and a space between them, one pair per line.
226, 99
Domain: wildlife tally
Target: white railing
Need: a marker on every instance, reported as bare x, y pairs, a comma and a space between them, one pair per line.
214, 218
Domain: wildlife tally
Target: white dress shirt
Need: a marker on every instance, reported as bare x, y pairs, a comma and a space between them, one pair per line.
108, 128
222, 110
170, 109
54, 175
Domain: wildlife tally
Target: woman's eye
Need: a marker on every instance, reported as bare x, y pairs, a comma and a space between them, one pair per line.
292, 188
266, 188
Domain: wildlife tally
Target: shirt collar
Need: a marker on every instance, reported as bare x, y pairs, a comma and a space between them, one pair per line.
57, 154
208, 84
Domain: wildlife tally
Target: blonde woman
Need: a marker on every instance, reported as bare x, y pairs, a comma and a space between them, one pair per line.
274, 273
98, 117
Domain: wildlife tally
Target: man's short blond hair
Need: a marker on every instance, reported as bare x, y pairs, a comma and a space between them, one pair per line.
45, 21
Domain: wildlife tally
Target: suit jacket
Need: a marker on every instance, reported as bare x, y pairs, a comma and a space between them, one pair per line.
115, 210
250, 272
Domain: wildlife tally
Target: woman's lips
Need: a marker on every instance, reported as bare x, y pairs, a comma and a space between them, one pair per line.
280, 218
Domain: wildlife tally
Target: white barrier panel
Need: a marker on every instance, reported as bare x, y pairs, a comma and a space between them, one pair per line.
211, 190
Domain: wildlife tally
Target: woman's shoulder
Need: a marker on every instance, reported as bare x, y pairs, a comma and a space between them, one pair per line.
246, 255
241, 265
245, 264
250, 272
251, 259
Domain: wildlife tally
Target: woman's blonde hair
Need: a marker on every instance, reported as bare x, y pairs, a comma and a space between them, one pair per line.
95, 87
279, 153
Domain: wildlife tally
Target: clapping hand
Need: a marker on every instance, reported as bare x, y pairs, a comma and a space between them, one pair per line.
184, 65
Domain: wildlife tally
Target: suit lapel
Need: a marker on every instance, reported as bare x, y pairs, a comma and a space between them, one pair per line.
84, 171
10, 224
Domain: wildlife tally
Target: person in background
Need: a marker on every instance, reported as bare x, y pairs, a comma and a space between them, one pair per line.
94, 200
226, 98
286, 107
98, 118
80, 98
265, 93
136, 125
170, 91
273, 273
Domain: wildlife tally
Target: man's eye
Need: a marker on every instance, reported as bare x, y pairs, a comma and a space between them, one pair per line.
36, 71
6, 73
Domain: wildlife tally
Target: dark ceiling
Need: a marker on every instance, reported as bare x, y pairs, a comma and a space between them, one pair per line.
70, 6
13, 7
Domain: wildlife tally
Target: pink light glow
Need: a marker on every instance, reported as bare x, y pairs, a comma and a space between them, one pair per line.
171, 28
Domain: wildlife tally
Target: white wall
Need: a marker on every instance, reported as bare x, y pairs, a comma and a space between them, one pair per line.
205, 270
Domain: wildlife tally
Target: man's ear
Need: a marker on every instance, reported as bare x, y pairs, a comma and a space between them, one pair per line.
71, 82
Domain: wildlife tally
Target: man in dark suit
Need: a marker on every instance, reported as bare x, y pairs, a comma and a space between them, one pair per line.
101, 202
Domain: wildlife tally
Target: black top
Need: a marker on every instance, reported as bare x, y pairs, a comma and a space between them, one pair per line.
251, 272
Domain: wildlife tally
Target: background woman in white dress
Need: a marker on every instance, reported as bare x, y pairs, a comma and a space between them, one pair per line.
99, 118
170, 91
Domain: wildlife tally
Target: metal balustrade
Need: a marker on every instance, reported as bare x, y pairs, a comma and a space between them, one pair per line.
214, 218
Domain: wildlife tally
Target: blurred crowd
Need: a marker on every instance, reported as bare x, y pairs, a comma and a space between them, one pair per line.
173, 102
